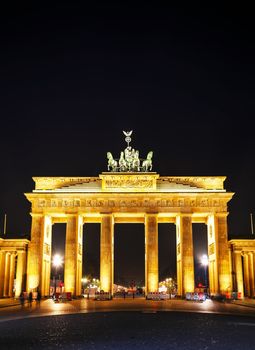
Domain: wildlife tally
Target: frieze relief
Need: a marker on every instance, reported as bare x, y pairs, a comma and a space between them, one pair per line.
121, 203
129, 183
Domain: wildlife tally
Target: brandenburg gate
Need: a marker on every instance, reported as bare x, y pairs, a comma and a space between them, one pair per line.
129, 193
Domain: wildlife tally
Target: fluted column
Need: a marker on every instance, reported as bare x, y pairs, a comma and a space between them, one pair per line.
46, 240
20, 273
151, 253
238, 272
212, 254
106, 253
246, 275
225, 281
79, 254
2, 272
253, 259
251, 273
35, 253
7, 274
72, 256
12, 272
185, 258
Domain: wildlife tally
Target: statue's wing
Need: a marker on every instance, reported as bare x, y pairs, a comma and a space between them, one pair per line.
127, 133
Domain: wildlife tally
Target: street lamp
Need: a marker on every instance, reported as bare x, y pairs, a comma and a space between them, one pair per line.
57, 262
204, 262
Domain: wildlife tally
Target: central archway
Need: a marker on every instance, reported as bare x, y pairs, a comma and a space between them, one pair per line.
129, 256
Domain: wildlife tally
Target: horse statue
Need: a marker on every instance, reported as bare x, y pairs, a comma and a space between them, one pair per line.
112, 163
147, 163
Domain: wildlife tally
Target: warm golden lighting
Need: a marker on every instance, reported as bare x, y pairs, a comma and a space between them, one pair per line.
105, 283
128, 197
33, 282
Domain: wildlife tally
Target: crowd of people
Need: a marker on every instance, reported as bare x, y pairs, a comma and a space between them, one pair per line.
29, 297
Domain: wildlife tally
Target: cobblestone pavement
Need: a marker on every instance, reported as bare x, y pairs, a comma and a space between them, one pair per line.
130, 330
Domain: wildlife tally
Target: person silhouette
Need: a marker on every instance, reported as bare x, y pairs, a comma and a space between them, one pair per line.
39, 297
22, 299
30, 298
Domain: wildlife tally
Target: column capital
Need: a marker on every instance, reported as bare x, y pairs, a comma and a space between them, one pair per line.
71, 215
21, 251
37, 215
184, 214
146, 215
107, 216
221, 215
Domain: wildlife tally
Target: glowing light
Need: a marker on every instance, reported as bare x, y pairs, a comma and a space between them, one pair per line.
162, 289
204, 260
57, 260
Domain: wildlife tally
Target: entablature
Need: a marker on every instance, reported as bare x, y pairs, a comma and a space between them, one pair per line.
12, 244
129, 202
242, 244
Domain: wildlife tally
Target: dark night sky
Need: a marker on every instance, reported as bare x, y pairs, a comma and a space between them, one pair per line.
72, 78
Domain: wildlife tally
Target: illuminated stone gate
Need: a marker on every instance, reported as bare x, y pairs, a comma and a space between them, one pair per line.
129, 197
129, 193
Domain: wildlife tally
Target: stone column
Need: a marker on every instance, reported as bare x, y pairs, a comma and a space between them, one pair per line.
212, 254
20, 273
246, 275
251, 273
2, 272
7, 274
238, 271
79, 255
253, 258
46, 239
106, 253
72, 284
12, 272
185, 258
35, 253
151, 253
225, 280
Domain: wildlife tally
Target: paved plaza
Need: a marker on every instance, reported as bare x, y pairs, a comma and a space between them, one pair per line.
10, 309
127, 324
